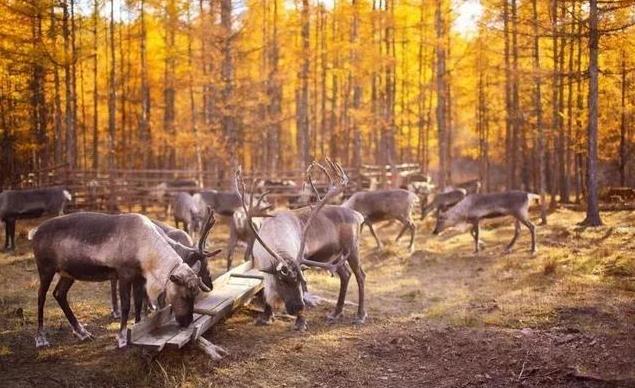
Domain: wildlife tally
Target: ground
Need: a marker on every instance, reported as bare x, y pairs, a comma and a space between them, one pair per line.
441, 317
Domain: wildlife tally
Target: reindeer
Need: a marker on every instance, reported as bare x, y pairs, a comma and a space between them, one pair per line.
189, 210
443, 201
23, 204
476, 207
322, 236
127, 247
385, 205
182, 243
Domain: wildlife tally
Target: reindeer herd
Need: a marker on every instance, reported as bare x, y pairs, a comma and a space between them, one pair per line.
158, 265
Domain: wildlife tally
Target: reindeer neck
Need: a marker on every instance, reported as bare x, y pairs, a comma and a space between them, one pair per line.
158, 261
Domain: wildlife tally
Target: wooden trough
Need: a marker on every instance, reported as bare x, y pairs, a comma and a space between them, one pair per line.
231, 290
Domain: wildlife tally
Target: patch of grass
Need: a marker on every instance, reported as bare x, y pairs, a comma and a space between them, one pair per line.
549, 267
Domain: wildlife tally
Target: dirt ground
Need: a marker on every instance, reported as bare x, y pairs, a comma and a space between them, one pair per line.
441, 317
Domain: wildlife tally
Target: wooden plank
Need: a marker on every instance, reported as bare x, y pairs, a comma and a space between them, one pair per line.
148, 324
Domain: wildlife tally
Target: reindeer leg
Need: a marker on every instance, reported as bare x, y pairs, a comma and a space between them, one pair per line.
475, 232
516, 233
360, 277
6, 234
114, 299
231, 246
532, 229
61, 295
267, 316
248, 250
344, 275
372, 231
124, 295
10, 226
138, 296
45, 283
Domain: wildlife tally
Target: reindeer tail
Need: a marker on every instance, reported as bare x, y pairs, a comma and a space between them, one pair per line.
68, 195
32, 233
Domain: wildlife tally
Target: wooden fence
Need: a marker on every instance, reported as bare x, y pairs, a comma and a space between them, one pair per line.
149, 190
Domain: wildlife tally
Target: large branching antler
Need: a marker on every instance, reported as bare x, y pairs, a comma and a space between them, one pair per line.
337, 183
249, 213
207, 227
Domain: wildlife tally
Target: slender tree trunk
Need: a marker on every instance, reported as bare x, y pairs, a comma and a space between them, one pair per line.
509, 117
579, 110
57, 100
39, 114
112, 99
441, 94
302, 107
357, 89
69, 113
515, 124
95, 86
593, 210
623, 138
540, 134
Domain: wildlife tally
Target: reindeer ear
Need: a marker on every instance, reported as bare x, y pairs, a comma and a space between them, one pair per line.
196, 267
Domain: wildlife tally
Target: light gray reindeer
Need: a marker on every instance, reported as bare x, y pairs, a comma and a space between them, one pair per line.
322, 236
189, 210
127, 247
23, 204
385, 205
182, 243
475, 207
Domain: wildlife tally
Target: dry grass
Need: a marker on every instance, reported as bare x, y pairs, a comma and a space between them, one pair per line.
441, 316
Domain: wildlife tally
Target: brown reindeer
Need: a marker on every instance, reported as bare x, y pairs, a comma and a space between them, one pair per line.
128, 247
322, 236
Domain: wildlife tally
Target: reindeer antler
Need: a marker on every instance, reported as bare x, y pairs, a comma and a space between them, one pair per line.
207, 227
337, 183
249, 213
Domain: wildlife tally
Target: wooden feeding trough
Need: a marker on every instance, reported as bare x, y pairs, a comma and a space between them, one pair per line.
231, 290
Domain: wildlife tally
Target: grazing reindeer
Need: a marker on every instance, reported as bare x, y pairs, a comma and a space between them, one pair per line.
443, 201
476, 207
127, 247
190, 210
182, 243
322, 236
22, 204
385, 205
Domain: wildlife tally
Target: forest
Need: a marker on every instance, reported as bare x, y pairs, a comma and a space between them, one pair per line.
521, 98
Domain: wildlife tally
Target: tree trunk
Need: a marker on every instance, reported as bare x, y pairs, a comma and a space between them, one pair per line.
623, 138
593, 210
112, 99
540, 134
441, 93
38, 104
302, 103
95, 86
69, 113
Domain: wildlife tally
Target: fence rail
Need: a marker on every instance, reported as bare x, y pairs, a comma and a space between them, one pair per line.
150, 189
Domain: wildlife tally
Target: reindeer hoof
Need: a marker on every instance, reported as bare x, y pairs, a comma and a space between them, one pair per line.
334, 317
360, 320
41, 341
122, 340
82, 334
262, 321
300, 326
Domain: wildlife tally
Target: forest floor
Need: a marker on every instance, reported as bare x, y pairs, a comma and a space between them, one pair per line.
441, 317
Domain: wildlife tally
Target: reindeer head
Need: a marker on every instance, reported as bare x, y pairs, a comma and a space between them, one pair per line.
441, 223
182, 288
287, 271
